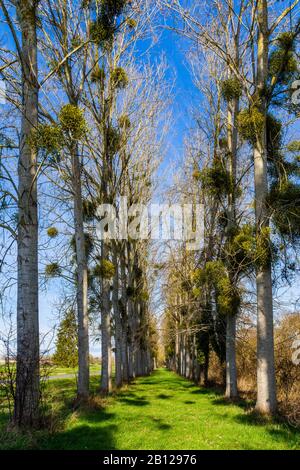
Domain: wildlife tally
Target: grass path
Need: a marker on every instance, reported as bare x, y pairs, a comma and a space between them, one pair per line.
163, 412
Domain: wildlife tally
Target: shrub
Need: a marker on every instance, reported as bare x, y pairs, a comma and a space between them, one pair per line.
216, 180
113, 140
53, 270
215, 274
102, 31
52, 232
284, 200
98, 75
76, 41
264, 248
294, 146
197, 174
46, 137
242, 248
113, 7
274, 133
282, 62
287, 373
223, 143
105, 269
124, 121
119, 77
72, 121
89, 210
250, 124
231, 89
131, 23
143, 296
286, 40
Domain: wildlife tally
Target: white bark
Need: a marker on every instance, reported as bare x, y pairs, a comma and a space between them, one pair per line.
27, 381
231, 371
106, 384
118, 326
266, 383
82, 282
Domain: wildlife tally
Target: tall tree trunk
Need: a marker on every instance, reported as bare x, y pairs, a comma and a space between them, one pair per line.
177, 348
266, 383
82, 282
124, 316
26, 409
231, 371
131, 343
118, 325
131, 315
106, 383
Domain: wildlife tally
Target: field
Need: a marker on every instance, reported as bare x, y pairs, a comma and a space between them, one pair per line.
57, 371
162, 411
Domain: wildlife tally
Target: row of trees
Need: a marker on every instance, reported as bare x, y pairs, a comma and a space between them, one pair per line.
84, 126
84, 113
243, 166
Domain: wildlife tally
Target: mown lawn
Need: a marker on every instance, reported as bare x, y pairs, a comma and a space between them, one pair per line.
159, 412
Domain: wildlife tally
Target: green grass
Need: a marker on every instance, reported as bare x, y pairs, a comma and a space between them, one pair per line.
159, 412
94, 368
56, 370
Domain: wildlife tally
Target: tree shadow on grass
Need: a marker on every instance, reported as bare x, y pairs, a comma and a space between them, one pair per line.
163, 396
84, 437
206, 391
161, 425
287, 434
146, 382
134, 401
228, 402
279, 431
89, 428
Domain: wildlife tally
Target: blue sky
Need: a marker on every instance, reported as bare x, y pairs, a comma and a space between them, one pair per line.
182, 99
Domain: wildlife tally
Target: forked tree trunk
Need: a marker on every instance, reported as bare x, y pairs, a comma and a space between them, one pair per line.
266, 383
26, 411
82, 282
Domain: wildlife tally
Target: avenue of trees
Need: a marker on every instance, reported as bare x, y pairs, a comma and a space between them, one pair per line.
86, 119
